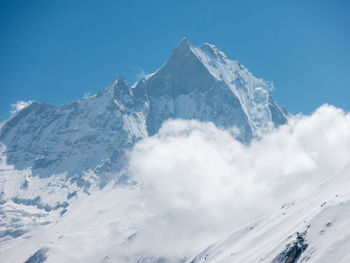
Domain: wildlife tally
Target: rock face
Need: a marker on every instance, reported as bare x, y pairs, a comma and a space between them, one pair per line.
293, 251
92, 134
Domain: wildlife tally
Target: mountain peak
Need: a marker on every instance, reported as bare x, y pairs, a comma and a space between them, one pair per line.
193, 71
119, 87
185, 42
121, 79
183, 47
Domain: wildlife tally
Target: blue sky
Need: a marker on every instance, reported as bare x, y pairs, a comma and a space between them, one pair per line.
57, 51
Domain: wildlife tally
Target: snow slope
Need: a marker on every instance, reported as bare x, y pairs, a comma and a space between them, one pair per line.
312, 229
94, 229
104, 227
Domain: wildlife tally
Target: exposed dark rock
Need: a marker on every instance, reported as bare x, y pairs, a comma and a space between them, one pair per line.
292, 252
13, 233
39, 256
39, 204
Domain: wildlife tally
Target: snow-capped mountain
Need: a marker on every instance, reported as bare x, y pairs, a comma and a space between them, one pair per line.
71, 189
51, 155
92, 134
203, 83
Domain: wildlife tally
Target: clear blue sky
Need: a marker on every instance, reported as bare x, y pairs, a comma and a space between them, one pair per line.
56, 51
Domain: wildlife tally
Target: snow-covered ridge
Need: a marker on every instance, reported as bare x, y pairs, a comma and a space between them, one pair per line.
253, 93
312, 229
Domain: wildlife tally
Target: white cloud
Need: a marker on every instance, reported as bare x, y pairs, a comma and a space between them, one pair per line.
196, 184
19, 105
199, 182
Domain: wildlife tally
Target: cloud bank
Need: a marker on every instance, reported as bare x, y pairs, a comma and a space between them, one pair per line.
195, 184
199, 182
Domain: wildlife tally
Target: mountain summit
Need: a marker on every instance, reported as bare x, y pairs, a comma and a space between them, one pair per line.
92, 134
203, 83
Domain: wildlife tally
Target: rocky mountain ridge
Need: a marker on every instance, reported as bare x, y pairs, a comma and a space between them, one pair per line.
92, 134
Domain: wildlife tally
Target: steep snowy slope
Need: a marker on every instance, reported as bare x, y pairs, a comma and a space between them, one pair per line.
96, 228
312, 229
203, 83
